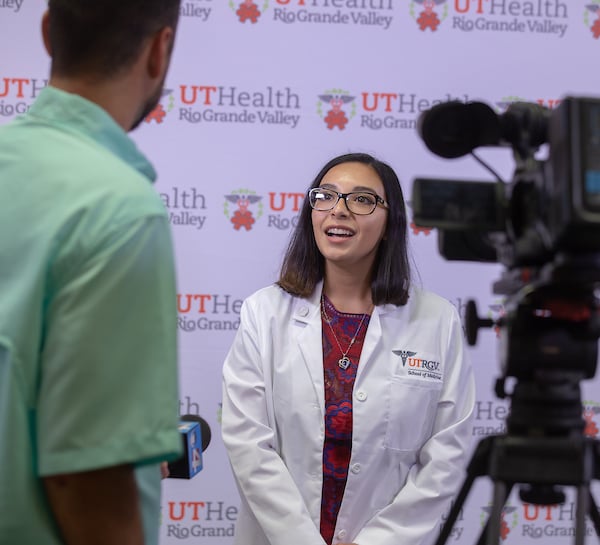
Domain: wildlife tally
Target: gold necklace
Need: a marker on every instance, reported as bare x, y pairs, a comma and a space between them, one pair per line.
344, 362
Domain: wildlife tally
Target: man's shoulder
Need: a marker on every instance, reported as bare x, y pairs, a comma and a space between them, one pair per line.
52, 142
67, 133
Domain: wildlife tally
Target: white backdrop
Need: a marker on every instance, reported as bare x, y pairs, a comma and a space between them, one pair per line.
258, 98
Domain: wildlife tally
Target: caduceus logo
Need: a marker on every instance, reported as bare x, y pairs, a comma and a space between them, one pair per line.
591, 410
502, 105
336, 116
428, 17
247, 10
504, 527
416, 229
404, 354
591, 18
160, 112
242, 216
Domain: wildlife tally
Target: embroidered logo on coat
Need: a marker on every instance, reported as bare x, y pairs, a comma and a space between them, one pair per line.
420, 367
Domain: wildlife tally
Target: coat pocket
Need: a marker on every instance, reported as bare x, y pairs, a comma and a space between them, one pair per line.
412, 411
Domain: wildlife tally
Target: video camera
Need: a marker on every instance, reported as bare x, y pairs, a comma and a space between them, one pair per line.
549, 207
543, 225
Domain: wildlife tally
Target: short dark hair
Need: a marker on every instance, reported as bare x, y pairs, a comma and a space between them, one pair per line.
304, 266
103, 37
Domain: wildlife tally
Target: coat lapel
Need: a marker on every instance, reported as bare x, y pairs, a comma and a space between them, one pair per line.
307, 318
372, 341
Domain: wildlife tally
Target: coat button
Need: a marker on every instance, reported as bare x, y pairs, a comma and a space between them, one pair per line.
361, 396
303, 311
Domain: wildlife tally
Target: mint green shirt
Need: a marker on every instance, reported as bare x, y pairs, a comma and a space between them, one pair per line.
88, 371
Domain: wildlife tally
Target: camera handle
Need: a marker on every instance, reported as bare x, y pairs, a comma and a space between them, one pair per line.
540, 461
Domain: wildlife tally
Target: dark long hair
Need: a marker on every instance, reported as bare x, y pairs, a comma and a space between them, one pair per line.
103, 37
304, 266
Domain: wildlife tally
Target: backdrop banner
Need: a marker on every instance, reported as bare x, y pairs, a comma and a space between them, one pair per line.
260, 95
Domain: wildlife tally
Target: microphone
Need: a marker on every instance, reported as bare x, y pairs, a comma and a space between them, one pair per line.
453, 129
195, 435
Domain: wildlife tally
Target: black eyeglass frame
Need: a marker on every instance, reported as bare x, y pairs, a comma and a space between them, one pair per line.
378, 200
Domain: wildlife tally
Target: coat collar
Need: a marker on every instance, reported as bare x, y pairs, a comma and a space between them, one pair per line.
307, 315
307, 309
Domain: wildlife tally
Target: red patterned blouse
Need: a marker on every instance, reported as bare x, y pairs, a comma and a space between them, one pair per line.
343, 335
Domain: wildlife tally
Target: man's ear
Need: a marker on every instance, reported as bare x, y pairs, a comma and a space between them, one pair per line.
46, 32
161, 45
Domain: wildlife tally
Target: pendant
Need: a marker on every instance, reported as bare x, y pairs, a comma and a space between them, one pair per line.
344, 363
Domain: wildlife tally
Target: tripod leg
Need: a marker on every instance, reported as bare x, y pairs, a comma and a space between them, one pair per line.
594, 514
455, 510
582, 507
501, 493
476, 467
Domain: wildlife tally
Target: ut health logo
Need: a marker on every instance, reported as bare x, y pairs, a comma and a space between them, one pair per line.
247, 10
428, 18
242, 216
160, 112
335, 100
591, 17
505, 526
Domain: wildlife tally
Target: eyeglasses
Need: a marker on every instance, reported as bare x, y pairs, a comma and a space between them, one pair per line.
357, 202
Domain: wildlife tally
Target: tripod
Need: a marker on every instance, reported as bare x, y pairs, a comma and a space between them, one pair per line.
568, 459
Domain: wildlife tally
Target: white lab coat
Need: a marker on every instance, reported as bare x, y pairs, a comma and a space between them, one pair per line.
410, 436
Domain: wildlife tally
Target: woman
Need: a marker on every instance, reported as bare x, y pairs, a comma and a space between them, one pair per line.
347, 393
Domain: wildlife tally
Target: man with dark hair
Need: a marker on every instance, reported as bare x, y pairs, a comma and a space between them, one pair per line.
88, 369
